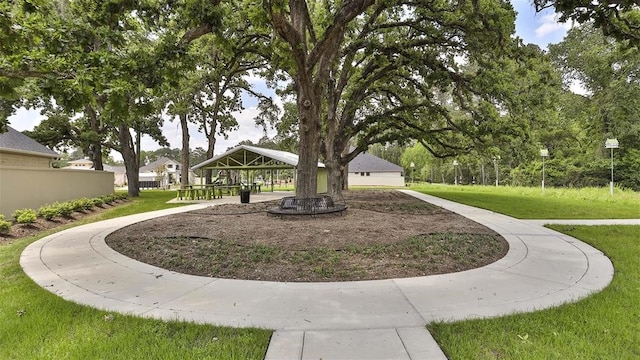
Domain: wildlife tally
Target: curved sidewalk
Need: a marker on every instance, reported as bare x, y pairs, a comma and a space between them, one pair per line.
356, 320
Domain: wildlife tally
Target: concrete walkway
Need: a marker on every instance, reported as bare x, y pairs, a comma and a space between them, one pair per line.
382, 319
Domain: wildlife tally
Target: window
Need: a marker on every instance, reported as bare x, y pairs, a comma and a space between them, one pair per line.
368, 174
169, 166
361, 174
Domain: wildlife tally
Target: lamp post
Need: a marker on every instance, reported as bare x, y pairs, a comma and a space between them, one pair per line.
412, 166
544, 153
495, 164
455, 168
611, 144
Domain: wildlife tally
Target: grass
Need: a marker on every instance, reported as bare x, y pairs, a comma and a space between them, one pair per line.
603, 326
531, 203
39, 325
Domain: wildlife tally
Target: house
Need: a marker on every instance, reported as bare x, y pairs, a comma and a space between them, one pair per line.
163, 173
119, 173
19, 150
80, 164
368, 170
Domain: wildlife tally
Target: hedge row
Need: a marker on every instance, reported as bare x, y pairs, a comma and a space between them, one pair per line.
58, 209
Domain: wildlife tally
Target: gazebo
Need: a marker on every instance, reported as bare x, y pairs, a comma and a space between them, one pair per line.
244, 157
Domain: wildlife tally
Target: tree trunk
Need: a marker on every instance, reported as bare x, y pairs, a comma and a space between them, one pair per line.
95, 147
211, 145
310, 71
184, 172
336, 152
127, 149
208, 173
334, 179
345, 177
137, 148
310, 127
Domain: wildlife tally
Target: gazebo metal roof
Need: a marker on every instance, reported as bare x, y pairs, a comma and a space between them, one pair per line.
251, 157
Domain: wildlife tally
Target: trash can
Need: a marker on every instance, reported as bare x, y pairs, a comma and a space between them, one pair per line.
244, 196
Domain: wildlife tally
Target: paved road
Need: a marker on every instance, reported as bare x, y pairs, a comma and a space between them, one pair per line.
383, 319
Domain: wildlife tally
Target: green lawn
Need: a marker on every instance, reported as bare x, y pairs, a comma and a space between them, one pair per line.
531, 203
36, 324
39, 325
603, 326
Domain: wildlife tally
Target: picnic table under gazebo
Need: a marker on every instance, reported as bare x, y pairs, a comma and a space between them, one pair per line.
245, 158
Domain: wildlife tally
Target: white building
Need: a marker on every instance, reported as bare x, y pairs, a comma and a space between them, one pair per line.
119, 173
368, 170
164, 171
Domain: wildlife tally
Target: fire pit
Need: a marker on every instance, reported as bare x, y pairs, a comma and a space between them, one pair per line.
292, 205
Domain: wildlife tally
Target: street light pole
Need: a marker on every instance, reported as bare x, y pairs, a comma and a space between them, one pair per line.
611, 183
611, 144
412, 166
455, 168
544, 153
495, 164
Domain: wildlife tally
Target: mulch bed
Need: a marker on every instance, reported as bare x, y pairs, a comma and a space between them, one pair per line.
19, 231
383, 234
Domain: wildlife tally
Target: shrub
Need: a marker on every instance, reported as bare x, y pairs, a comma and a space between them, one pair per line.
49, 211
77, 205
108, 199
25, 216
66, 208
4, 224
97, 202
82, 204
88, 203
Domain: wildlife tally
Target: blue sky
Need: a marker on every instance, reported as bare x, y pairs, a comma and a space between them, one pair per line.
540, 29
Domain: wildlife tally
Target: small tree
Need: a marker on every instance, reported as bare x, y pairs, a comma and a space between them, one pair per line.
160, 172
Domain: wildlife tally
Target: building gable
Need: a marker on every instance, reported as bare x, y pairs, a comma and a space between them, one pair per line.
366, 162
16, 142
160, 163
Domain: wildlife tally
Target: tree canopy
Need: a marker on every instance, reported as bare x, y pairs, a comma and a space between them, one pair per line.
451, 76
617, 18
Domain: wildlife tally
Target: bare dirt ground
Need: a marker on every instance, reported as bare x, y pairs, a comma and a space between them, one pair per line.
383, 234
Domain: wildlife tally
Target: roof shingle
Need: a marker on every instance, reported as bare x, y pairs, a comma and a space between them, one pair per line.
14, 140
366, 162
152, 166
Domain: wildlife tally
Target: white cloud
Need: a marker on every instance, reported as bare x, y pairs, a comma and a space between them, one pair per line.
577, 87
247, 130
25, 119
551, 25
